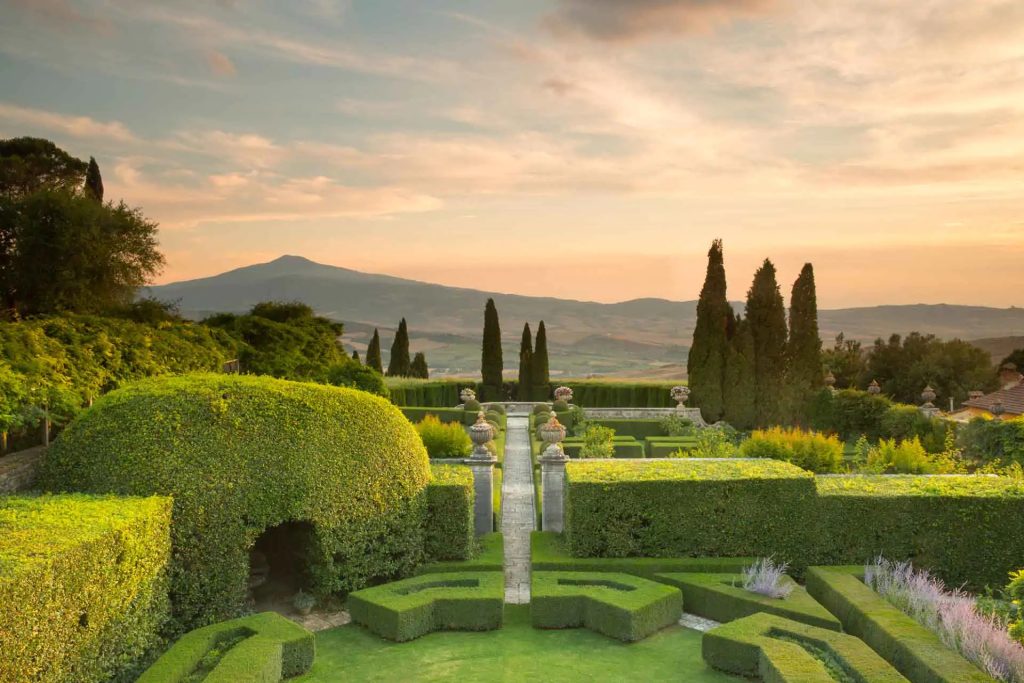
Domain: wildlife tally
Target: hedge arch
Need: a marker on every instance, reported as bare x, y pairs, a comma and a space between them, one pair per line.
240, 454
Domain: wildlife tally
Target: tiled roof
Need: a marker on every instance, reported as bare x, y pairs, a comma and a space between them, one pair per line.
1012, 398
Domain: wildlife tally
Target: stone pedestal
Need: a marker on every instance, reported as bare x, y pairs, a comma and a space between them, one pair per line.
552, 477
483, 492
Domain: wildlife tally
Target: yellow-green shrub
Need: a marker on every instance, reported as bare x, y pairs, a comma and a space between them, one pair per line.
905, 457
810, 450
83, 585
240, 454
444, 440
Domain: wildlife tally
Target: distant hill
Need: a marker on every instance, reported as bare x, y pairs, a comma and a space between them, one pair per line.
999, 347
631, 338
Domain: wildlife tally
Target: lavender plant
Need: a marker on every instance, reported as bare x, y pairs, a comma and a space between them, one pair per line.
951, 614
766, 578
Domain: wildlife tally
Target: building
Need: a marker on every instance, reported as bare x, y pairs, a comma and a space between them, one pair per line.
1006, 402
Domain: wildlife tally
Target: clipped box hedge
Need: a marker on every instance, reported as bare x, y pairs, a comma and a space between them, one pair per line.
776, 649
448, 532
692, 507
445, 415
966, 529
622, 606
83, 585
407, 609
638, 428
625, 447
721, 597
240, 454
272, 648
490, 557
916, 652
428, 392
612, 394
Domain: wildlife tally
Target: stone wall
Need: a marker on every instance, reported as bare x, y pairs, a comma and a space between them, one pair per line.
691, 414
18, 470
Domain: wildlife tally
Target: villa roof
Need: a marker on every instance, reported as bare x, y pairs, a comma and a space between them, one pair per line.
1012, 398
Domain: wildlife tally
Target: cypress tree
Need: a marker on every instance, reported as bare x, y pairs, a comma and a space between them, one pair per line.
705, 366
526, 365
766, 315
419, 366
491, 364
400, 365
804, 348
738, 390
373, 353
93, 181
540, 377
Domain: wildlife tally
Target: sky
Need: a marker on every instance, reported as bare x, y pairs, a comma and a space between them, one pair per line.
587, 149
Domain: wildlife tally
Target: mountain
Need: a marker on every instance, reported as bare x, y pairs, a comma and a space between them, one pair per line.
637, 338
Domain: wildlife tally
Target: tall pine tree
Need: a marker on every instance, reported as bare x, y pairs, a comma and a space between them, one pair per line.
93, 181
526, 365
738, 390
766, 315
418, 368
705, 366
400, 365
540, 377
373, 353
491, 364
804, 369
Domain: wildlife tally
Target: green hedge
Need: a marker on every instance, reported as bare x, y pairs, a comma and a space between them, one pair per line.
408, 609
637, 428
272, 648
618, 605
722, 597
445, 415
774, 648
669, 449
851, 413
549, 553
611, 394
625, 447
83, 585
680, 508
429, 393
963, 528
448, 532
915, 651
241, 454
489, 558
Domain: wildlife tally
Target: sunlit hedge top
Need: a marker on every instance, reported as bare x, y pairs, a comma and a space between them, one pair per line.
240, 454
954, 485
607, 471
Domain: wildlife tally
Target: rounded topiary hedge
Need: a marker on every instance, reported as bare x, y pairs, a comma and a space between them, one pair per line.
242, 454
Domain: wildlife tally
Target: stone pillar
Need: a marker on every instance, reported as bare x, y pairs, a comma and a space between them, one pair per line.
552, 477
483, 493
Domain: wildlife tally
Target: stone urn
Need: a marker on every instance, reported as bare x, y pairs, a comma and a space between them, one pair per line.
874, 388
830, 381
563, 394
467, 395
680, 394
480, 433
928, 395
552, 433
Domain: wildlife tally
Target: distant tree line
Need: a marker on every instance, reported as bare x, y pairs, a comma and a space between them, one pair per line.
534, 371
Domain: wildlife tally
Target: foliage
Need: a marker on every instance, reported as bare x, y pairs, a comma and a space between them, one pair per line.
1016, 357
434, 393
803, 350
850, 413
93, 181
352, 373
444, 440
739, 390
846, 361
903, 366
238, 455
810, 450
986, 440
491, 362
405, 610
713, 442
28, 165
952, 615
540, 372
766, 577
598, 442
526, 365
399, 364
705, 365
674, 425
260, 648
620, 606
766, 316
373, 359
914, 650
904, 457
83, 585
449, 533
419, 368
621, 394
1015, 591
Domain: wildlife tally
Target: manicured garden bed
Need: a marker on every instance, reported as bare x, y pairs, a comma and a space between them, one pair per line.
517, 651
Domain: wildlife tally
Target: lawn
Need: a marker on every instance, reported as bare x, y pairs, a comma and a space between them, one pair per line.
515, 652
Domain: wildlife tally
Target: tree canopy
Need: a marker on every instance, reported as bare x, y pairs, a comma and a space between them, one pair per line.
705, 364
491, 363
